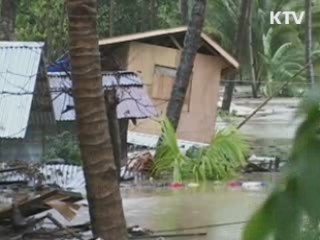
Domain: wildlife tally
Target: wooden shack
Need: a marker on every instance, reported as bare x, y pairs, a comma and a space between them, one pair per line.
156, 56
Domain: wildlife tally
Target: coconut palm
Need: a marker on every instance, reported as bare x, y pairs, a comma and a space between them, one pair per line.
309, 42
191, 45
223, 22
102, 186
280, 64
8, 19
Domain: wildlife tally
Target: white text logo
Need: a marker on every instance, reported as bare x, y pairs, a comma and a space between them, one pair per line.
286, 17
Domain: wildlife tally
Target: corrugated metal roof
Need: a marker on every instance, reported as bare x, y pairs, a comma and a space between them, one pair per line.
19, 63
134, 101
120, 78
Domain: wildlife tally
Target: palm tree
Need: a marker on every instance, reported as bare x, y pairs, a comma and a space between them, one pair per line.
191, 45
105, 205
184, 9
251, 51
308, 39
280, 64
243, 20
223, 20
8, 19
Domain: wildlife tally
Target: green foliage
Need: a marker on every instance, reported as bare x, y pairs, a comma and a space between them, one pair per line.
281, 64
219, 160
282, 216
63, 146
39, 20
310, 230
169, 156
278, 49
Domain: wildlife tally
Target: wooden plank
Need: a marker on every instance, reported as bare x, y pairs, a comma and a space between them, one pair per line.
223, 53
37, 204
139, 36
175, 42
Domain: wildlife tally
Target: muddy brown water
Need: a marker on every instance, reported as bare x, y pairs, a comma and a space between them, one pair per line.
189, 208
212, 203
159, 209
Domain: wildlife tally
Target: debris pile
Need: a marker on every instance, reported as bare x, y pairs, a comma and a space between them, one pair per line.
139, 166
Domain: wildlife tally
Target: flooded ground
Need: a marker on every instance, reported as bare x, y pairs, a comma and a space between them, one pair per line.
163, 208
160, 209
189, 208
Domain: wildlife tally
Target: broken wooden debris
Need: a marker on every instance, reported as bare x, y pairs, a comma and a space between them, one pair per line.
39, 203
262, 164
139, 165
30, 230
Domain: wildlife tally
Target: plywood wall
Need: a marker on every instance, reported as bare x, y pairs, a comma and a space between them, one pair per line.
198, 118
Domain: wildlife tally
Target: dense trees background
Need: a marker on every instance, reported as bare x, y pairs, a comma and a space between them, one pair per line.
271, 53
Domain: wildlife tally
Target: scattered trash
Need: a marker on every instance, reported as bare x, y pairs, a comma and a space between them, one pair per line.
234, 184
139, 167
193, 185
262, 164
248, 186
176, 185
253, 186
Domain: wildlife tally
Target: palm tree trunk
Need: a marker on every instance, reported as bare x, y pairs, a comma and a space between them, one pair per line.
308, 37
111, 16
184, 8
105, 205
228, 92
8, 19
123, 126
251, 51
192, 42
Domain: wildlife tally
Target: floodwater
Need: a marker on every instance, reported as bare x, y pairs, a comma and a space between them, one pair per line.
158, 210
165, 209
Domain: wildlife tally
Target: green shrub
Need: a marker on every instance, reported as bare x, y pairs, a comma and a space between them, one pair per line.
63, 146
218, 161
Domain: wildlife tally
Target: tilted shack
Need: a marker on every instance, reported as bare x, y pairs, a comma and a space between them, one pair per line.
26, 115
156, 55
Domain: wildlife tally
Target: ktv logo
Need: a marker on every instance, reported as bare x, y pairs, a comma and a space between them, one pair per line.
286, 17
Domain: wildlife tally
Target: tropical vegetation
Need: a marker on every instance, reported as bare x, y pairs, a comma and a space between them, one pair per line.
292, 211
272, 45
218, 161
63, 146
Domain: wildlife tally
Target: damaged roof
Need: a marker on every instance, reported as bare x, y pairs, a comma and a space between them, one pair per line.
134, 101
19, 64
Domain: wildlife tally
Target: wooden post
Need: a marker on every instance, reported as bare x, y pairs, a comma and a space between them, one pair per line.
123, 124
111, 99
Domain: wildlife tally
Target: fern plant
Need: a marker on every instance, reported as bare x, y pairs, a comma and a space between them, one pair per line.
219, 160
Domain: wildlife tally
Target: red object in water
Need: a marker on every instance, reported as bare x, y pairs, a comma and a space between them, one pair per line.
176, 185
234, 184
